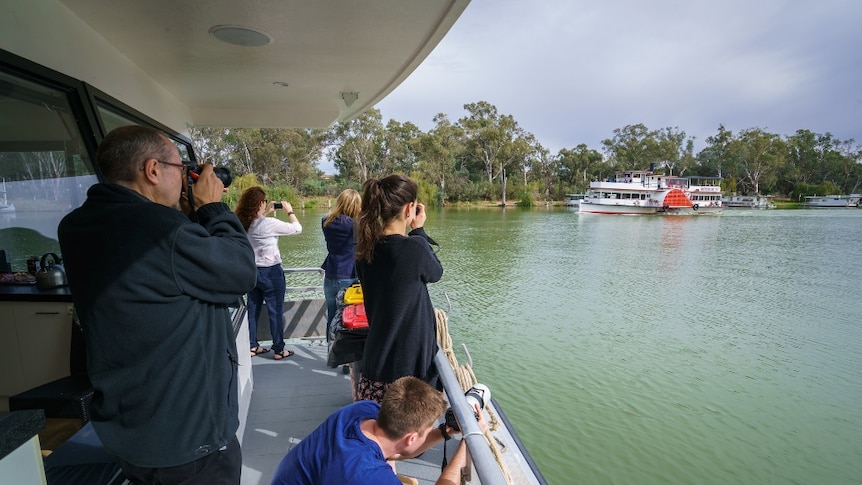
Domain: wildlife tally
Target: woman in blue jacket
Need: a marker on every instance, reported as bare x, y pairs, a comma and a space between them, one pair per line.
339, 265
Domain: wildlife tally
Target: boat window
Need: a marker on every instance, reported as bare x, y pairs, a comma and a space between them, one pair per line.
114, 117
45, 169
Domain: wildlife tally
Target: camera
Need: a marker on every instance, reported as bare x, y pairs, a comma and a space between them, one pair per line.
222, 173
278, 205
478, 394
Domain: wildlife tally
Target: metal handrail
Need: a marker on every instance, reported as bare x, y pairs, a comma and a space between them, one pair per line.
304, 288
486, 465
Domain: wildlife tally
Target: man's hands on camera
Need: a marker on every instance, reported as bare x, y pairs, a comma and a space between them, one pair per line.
450, 424
208, 188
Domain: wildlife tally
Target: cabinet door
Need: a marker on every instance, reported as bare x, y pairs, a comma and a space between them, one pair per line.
44, 339
12, 375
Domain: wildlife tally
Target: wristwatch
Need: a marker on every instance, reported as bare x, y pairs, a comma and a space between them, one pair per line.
290, 213
443, 432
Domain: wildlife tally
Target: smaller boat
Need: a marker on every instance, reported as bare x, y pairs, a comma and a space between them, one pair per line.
851, 200
574, 200
748, 201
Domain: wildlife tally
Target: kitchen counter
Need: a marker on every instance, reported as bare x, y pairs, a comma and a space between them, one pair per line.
32, 293
18, 427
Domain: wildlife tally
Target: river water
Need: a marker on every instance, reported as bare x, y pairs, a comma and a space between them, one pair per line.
657, 350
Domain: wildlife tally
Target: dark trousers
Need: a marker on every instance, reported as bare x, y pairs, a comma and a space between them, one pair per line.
270, 287
220, 468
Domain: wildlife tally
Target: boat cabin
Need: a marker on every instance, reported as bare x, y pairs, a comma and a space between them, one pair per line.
72, 70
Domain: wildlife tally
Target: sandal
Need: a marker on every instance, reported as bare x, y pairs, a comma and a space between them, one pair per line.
283, 354
258, 350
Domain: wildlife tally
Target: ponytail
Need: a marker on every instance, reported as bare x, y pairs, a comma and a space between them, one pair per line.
382, 201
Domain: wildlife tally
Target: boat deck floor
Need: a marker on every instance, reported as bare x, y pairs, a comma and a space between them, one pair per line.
291, 398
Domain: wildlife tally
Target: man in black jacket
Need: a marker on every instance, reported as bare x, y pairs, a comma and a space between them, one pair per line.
151, 289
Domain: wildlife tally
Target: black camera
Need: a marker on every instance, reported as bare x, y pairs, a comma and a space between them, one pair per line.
478, 394
222, 173
278, 205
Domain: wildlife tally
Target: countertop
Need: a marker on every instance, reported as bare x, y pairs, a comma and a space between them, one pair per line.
17, 427
32, 293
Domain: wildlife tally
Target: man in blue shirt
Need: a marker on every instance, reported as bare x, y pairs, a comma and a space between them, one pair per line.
355, 444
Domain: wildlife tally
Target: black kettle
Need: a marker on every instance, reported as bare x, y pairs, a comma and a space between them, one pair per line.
52, 274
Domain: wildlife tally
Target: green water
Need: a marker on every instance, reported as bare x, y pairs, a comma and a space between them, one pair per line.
691, 350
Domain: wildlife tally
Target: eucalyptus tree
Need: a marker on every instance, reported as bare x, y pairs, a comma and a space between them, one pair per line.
760, 156
300, 151
717, 156
632, 147
851, 166
577, 166
355, 145
397, 152
439, 150
493, 139
544, 167
807, 157
674, 150
273, 155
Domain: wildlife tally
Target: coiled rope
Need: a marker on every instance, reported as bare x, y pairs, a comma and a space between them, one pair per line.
466, 379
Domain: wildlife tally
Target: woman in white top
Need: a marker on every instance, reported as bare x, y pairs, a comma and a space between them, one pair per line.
263, 232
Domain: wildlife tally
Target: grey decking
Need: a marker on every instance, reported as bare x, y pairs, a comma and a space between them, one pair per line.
292, 397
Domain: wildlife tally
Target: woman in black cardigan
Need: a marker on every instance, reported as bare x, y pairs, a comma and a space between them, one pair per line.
394, 270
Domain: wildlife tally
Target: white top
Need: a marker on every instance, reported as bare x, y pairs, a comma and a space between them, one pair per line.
263, 235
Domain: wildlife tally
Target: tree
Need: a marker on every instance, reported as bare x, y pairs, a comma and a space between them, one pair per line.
397, 148
760, 155
495, 140
673, 149
717, 158
355, 145
439, 150
577, 166
632, 147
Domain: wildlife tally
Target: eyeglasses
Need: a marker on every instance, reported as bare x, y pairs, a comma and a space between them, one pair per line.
182, 166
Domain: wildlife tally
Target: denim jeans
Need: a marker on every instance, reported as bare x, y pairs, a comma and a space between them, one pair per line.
270, 288
330, 292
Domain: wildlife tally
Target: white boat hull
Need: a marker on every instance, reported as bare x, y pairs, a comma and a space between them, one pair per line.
590, 206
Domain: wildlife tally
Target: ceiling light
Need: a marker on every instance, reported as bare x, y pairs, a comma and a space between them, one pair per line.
281, 84
241, 36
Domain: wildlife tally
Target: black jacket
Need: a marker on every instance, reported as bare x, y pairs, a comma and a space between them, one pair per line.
402, 327
151, 289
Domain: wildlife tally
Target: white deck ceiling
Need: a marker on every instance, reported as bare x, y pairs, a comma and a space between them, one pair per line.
319, 48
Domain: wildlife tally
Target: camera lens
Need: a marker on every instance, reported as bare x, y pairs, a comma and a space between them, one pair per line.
222, 173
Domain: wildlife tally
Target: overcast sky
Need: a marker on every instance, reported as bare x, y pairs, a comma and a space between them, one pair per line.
572, 71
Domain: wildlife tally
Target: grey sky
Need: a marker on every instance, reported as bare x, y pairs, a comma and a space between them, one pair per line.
571, 72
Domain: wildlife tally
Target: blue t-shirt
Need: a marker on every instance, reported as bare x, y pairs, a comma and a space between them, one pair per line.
338, 453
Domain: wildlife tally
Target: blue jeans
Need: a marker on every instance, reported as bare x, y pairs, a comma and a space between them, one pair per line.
330, 292
270, 287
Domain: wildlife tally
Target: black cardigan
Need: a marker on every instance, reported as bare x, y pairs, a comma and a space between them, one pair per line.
402, 334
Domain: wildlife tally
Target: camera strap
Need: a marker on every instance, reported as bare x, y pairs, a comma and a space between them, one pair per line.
190, 196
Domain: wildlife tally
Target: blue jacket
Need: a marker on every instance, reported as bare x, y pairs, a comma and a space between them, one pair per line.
341, 244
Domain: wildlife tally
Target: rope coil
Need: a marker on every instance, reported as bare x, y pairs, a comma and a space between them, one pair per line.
466, 379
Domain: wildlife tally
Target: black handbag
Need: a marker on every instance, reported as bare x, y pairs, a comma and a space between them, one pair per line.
346, 345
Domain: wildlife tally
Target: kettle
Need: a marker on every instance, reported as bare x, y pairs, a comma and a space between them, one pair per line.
52, 274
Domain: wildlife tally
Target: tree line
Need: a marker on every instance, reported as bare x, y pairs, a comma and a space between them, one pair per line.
487, 156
